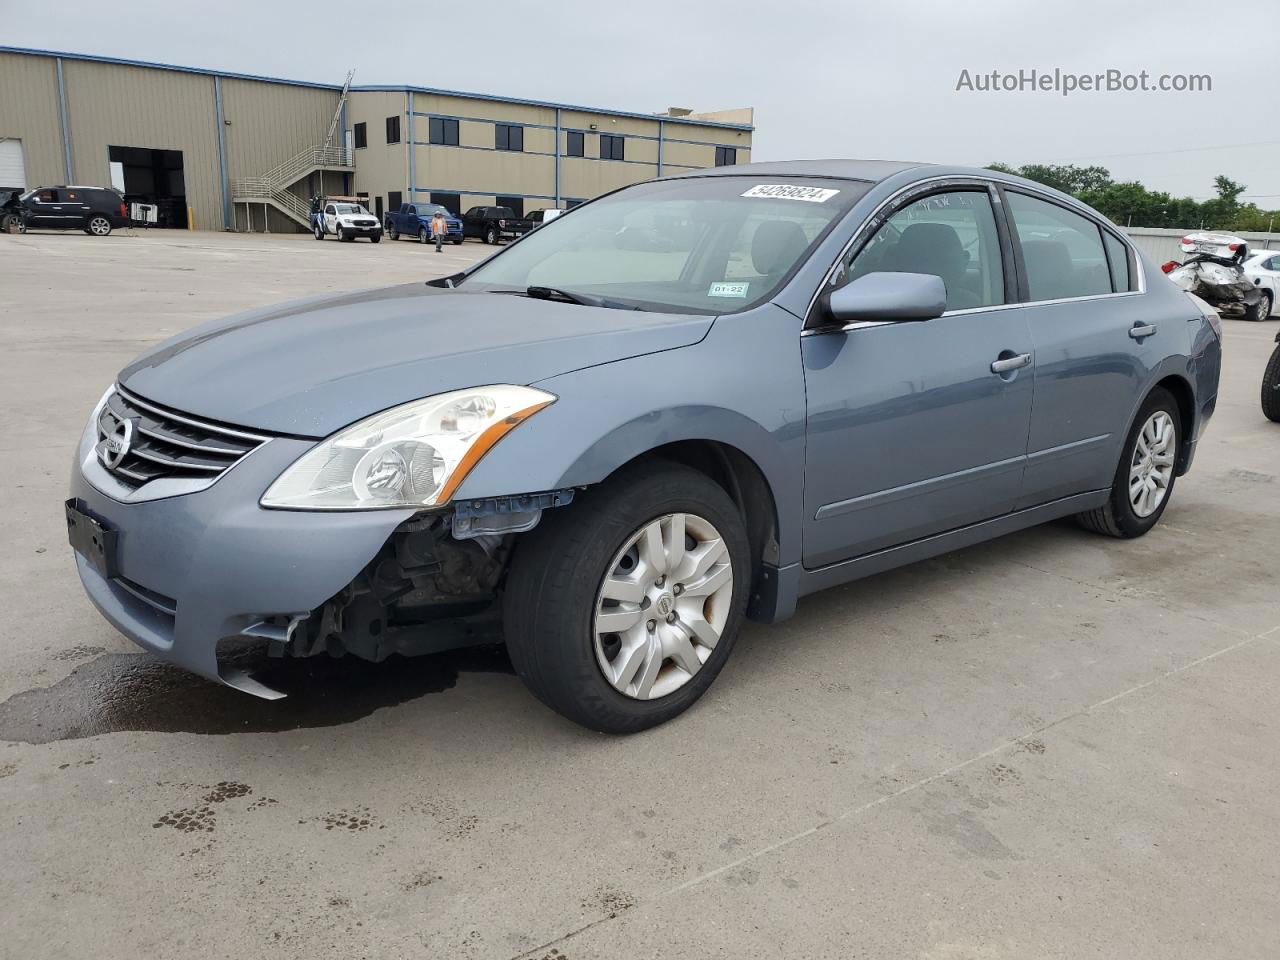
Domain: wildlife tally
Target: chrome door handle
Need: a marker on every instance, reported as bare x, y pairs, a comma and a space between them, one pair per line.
1140, 330
1010, 363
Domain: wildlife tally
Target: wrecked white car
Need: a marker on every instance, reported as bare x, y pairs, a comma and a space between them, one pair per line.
1214, 271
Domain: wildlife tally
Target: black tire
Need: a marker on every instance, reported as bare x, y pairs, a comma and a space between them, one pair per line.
1271, 388
375, 237
1258, 311
555, 577
491, 235
424, 236
392, 232
319, 233
457, 241
1265, 305
345, 236
98, 227
1116, 518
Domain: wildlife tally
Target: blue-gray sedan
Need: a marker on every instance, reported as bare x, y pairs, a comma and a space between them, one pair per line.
688, 402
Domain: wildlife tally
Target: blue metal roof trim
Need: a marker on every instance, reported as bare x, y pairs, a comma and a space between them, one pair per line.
119, 61
550, 105
205, 71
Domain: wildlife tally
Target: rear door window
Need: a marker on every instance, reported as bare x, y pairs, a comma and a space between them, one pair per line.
1061, 250
1118, 260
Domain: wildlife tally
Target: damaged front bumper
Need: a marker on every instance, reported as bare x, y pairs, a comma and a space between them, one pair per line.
191, 570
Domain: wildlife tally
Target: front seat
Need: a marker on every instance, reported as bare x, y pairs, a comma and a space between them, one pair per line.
934, 248
775, 248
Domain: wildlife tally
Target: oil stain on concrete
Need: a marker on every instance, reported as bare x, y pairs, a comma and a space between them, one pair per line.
138, 692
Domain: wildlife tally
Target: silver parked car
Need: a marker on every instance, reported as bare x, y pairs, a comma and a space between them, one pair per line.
686, 403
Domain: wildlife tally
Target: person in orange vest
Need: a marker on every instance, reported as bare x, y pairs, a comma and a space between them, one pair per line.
439, 229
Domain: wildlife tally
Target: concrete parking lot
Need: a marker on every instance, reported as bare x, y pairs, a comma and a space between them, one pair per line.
1052, 745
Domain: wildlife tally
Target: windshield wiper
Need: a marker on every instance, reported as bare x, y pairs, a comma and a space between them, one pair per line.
584, 299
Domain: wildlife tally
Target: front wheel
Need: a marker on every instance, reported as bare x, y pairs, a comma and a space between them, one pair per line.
1271, 388
1146, 474
392, 232
621, 610
457, 241
99, 227
375, 237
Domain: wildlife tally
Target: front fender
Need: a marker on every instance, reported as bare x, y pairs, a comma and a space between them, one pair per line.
741, 386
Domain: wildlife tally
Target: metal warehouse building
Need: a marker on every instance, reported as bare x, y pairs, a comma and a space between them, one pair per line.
215, 150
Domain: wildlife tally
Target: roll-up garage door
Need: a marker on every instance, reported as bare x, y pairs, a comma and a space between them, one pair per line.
13, 174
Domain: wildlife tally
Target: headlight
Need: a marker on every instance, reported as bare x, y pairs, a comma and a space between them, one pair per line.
414, 455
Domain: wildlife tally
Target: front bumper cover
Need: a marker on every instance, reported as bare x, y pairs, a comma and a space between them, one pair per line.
195, 568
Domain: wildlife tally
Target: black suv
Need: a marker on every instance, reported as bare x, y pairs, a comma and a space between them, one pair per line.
95, 210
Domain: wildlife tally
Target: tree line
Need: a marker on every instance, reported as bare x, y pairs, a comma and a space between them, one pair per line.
1133, 205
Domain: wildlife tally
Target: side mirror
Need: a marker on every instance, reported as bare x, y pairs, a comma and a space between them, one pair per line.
889, 298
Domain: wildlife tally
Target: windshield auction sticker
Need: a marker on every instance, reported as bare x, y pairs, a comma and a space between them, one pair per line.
728, 290
788, 191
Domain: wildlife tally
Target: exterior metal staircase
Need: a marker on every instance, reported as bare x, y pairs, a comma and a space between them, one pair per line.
272, 188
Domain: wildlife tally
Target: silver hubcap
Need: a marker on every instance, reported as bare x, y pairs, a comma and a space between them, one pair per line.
1151, 470
663, 605
99, 226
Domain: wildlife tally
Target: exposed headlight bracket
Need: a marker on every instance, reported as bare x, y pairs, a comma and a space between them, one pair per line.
494, 516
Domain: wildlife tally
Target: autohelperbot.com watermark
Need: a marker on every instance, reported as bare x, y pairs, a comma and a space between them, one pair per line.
1065, 82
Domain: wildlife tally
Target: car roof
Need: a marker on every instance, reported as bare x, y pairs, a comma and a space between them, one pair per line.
866, 170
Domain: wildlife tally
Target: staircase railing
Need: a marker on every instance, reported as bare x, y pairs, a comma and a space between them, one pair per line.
273, 185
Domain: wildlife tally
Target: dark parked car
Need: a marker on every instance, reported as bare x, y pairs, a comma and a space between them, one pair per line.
413, 220
494, 224
807, 373
95, 210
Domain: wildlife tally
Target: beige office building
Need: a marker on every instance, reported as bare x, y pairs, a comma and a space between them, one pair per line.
215, 150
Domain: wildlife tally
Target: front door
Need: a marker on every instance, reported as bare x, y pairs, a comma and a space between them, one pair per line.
45, 209
910, 430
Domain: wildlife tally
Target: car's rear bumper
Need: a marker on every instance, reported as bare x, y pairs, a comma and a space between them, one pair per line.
194, 569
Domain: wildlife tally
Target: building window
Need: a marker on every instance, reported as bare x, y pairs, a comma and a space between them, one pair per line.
442, 131
570, 204
575, 144
508, 137
726, 156
361, 135
393, 129
450, 201
393, 201
515, 203
611, 147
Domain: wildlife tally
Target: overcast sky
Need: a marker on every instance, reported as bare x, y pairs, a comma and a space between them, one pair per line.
835, 79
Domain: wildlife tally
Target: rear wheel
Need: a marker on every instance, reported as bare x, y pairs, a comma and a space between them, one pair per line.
319, 233
1271, 388
1146, 473
99, 226
621, 610
1260, 310
491, 235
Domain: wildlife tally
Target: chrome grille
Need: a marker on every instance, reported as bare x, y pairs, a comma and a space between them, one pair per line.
139, 441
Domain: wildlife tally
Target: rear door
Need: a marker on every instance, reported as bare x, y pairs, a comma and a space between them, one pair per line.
1096, 341
910, 430
76, 208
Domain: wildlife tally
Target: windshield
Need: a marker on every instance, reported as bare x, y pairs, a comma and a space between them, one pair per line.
431, 209
701, 245
350, 208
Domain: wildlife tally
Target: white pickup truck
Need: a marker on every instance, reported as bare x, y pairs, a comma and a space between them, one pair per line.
344, 220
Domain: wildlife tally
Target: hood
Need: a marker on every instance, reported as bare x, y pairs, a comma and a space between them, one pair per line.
311, 367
